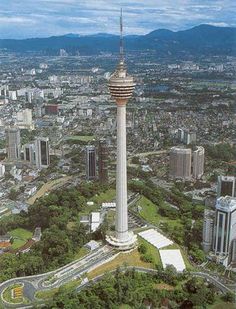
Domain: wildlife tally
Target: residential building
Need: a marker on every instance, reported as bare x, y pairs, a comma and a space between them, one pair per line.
180, 163
198, 162
13, 143
208, 228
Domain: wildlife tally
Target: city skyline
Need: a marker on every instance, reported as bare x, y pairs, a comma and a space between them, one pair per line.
50, 17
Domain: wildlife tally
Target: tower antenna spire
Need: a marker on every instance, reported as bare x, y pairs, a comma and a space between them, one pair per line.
121, 36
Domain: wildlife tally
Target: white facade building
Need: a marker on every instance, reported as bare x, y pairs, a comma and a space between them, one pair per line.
198, 162
208, 228
2, 170
42, 157
225, 227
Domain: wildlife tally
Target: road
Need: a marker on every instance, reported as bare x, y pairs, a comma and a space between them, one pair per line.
214, 281
54, 279
47, 187
74, 270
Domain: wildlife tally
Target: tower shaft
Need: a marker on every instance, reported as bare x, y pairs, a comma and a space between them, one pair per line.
121, 177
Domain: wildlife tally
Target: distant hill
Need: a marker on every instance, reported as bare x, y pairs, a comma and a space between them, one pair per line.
200, 40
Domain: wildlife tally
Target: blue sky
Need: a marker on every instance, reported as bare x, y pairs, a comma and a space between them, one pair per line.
42, 18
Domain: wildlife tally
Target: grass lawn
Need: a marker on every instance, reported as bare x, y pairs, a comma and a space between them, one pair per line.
123, 259
150, 214
81, 253
107, 196
151, 250
111, 214
163, 286
20, 237
50, 293
46, 294
220, 304
7, 295
125, 307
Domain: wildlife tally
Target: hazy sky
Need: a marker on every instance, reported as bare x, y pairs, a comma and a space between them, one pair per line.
42, 18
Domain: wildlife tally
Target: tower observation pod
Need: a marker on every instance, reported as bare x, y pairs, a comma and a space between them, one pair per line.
121, 86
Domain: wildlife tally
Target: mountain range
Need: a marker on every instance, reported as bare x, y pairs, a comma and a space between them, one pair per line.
199, 40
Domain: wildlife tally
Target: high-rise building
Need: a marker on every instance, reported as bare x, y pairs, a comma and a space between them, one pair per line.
198, 162
190, 137
24, 119
180, 163
121, 86
103, 161
42, 157
13, 143
91, 162
208, 228
29, 153
2, 169
187, 136
232, 256
226, 186
63, 53
225, 227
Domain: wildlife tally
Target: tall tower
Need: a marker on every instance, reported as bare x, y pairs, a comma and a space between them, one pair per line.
121, 86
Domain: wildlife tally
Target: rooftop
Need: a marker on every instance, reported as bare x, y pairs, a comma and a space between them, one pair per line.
226, 203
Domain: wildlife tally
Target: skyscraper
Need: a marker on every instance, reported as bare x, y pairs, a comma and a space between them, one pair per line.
226, 186
13, 143
198, 162
29, 153
225, 227
121, 87
103, 161
42, 158
180, 163
91, 164
208, 228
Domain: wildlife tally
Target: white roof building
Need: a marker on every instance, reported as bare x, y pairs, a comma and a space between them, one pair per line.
155, 238
94, 221
172, 257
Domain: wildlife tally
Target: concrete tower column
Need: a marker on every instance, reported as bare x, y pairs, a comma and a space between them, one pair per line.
121, 176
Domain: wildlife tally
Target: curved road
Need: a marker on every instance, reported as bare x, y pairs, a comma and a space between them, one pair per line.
74, 270
30, 286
